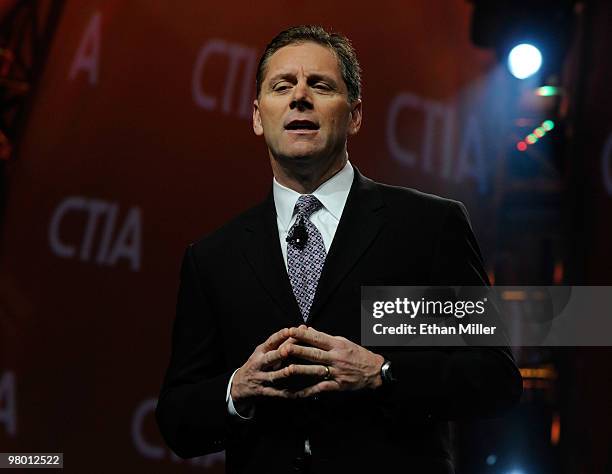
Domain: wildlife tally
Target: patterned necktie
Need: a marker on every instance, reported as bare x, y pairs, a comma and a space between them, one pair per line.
305, 253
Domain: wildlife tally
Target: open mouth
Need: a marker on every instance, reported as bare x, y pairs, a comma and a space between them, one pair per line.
302, 126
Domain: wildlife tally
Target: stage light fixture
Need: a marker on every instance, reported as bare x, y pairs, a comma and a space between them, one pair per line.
530, 36
524, 60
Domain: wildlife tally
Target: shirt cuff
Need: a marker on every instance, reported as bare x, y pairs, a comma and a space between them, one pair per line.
230, 403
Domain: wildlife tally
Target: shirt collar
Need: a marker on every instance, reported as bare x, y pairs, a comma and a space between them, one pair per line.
332, 194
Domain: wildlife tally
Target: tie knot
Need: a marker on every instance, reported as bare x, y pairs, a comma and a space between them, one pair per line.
306, 205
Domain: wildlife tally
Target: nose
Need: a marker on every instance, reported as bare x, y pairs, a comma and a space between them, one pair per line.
301, 97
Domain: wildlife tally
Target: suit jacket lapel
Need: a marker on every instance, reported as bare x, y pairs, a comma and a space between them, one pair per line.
359, 225
261, 248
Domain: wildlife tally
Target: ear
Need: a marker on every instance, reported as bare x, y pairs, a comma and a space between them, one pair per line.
257, 127
355, 120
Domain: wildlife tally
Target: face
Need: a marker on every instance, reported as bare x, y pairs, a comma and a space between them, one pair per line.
303, 109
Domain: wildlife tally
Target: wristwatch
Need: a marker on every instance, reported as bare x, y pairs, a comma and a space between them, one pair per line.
386, 374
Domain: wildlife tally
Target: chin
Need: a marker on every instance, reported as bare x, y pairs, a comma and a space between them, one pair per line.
299, 155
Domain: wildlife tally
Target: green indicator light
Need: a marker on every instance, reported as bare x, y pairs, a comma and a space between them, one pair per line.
531, 139
539, 132
548, 125
547, 91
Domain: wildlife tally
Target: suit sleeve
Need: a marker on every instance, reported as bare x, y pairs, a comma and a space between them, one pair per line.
458, 382
192, 412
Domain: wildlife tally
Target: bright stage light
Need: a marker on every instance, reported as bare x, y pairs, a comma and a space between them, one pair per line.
524, 61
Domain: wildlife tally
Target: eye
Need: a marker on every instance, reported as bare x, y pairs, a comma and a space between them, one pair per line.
280, 87
322, 85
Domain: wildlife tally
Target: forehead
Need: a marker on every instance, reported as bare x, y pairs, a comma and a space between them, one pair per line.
310, 57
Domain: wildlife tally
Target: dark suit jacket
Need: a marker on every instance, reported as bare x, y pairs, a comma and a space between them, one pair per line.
235, 292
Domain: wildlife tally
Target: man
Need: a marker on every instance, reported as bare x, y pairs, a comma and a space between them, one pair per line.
266, 361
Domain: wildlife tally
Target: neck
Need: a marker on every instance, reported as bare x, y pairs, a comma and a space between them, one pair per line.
305, 177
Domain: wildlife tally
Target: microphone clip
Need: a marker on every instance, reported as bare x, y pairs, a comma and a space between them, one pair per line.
298, 236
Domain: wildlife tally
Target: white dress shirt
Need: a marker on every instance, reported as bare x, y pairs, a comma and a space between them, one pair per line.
332, 194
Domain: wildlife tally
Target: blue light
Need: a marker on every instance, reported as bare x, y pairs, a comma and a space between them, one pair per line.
524, 61
491, 459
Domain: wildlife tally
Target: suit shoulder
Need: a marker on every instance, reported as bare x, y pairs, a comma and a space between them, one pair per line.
401, 198
225, 235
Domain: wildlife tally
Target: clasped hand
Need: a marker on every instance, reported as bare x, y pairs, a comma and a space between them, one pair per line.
336, 364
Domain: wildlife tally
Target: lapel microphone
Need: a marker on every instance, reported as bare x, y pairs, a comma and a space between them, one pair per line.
298, 236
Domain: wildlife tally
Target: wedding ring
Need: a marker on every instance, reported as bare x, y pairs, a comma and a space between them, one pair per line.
327, 373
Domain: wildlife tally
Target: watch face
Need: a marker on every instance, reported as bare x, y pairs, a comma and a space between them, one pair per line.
389, 372
386, 372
